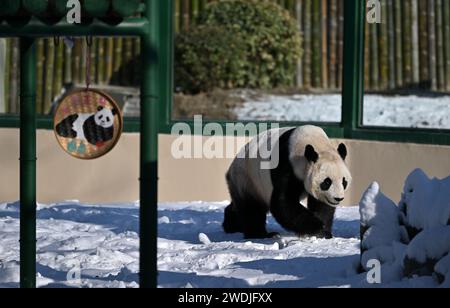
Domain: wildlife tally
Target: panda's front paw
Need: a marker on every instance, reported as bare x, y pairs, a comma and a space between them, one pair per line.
311, 226
325, 235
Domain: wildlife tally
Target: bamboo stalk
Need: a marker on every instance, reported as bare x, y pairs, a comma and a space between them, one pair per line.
2, 75
136, 61
83, 59
383, 48
291, 6
58, 70
186, 17
298, 14
391, 39
40, 75
324, 27
333, 44
101, 61
307, 44
415, 42
194, 10
49, 75
14, 73
93, 62
76, 61
432, 43
447, 44
423, 43
340, 48
367, 60
177, 17
67, 65
118, 44
128, 57
407, 46
440, 46
398, 43
7, 74
316, 45
109, 59
374, 60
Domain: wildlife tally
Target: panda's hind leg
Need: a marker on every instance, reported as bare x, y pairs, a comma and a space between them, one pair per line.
254, 218
248, 217
231, 221
245, 214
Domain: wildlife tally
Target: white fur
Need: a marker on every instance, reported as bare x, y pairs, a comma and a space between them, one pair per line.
78, 124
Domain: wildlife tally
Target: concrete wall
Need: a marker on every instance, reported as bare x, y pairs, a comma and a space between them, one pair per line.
114, 178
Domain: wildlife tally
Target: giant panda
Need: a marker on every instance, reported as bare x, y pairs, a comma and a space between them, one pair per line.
95, 128
309, 167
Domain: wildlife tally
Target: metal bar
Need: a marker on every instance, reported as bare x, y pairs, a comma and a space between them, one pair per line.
27, 163
353, 74
129, 27
334, 130
153, 93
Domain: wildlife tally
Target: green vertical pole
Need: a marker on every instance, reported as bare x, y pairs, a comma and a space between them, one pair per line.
155, 90
353, 72
27, 163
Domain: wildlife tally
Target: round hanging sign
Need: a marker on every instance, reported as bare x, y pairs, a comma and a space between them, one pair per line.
88, 124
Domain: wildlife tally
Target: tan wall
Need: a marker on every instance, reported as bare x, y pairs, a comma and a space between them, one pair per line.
114, 178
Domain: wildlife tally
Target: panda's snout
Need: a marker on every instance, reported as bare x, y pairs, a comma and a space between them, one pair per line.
339, 199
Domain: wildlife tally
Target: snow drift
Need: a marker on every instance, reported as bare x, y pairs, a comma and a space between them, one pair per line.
413, 238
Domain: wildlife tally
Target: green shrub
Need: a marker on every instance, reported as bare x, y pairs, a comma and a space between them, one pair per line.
238, 43
208, 57
271, 36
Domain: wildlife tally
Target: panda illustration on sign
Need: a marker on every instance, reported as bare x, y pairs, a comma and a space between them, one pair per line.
95, 128
309, 167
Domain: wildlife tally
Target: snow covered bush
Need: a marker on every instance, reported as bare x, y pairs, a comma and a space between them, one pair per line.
425, 202
413, 238
442, 270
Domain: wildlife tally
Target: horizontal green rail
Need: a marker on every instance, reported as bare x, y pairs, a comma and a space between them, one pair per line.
334, 130
37, 28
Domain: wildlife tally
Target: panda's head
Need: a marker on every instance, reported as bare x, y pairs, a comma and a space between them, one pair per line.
327, 176
105, 117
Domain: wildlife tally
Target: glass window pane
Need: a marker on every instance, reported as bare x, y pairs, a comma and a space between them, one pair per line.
407, 73
313, 92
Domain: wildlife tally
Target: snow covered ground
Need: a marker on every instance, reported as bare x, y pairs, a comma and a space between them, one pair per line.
100, 242
396, 111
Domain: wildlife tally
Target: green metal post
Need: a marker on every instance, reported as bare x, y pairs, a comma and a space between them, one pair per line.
27, 163
154, 91
353, 79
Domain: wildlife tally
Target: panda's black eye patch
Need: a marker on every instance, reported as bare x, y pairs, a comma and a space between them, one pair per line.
326, 184
100, 117
107, 119
345, 183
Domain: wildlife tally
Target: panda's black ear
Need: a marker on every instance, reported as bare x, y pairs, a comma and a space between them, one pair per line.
114, 111
342, 150
311, 155
99, 108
